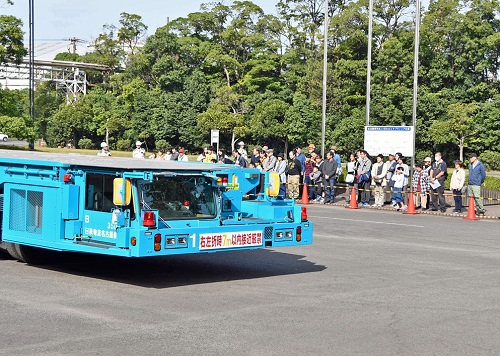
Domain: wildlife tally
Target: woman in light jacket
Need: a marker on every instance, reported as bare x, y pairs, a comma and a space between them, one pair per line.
379, 171
456, 185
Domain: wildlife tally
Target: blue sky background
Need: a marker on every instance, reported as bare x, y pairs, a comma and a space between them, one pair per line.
61, 19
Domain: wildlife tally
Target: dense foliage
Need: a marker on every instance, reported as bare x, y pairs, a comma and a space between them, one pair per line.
258, 77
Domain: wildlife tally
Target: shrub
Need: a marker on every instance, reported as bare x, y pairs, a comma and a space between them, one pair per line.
123, 145
491, 160
162, 145
86, 143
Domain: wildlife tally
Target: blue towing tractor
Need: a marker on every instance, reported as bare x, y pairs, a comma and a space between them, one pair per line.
139, 208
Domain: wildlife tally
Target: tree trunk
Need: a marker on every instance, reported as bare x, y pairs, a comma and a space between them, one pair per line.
227, 74
461, 146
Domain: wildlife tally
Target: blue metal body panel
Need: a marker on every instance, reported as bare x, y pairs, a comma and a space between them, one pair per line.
63, 202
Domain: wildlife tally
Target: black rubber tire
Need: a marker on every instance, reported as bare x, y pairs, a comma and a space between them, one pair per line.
5, 139
29, 254
11, 250
35, 255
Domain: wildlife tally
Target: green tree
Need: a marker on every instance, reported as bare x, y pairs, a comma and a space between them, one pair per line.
461, 127
132, 30
11, 40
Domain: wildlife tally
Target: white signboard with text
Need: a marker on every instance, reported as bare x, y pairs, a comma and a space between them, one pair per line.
214, 136
389, 139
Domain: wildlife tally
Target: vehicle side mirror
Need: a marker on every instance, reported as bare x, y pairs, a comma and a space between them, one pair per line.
119, 186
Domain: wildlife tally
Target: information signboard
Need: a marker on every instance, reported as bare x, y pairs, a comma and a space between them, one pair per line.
389, 139
214, 136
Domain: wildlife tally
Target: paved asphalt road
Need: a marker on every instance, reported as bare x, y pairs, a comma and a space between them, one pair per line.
373, 283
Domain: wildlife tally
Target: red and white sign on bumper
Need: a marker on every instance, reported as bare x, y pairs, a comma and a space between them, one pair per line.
230, 240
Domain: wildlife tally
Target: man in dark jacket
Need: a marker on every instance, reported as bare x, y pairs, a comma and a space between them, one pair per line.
477, 175
439, 172
329, 171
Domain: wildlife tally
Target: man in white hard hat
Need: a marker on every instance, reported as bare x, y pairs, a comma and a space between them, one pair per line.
241, 150
138, 152
104, 152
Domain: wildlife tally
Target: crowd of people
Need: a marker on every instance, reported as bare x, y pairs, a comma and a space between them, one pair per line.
387, 179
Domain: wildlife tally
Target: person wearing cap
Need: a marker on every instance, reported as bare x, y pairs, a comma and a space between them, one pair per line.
210, 156
477, 175
241, 150
391, 168
182, 156
138, 152
420, 186
379, 172
439, 173
270, 161
104, 152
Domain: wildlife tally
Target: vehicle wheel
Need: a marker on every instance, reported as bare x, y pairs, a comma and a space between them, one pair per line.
5, 139
11, 250
29, 254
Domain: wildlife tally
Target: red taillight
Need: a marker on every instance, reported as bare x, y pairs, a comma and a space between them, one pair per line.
157, 238
224, 181
67, 178
149, 219
304, 213
186, 203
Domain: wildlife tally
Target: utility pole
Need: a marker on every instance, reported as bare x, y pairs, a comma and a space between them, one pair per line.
369, 64
415, 79
74, 41
325, 69
31, 50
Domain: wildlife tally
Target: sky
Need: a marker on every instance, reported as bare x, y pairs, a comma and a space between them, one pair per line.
62, 19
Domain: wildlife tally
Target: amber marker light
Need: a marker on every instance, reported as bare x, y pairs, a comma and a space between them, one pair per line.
157, 247
298, 235
133, 241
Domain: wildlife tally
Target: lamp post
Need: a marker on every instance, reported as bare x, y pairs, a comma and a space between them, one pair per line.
369, 64
325, 68
415, 79
32, 65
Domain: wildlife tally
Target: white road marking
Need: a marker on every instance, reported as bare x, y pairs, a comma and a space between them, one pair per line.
364, 221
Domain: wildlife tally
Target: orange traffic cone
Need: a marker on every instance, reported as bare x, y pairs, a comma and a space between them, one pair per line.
471, 211
411, 204
305, 195
353, 204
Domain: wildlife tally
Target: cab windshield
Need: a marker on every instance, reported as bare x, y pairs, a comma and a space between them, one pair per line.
178, 197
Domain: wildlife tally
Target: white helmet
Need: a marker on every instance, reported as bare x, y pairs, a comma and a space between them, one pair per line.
241, 143
138, 143
104, 144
